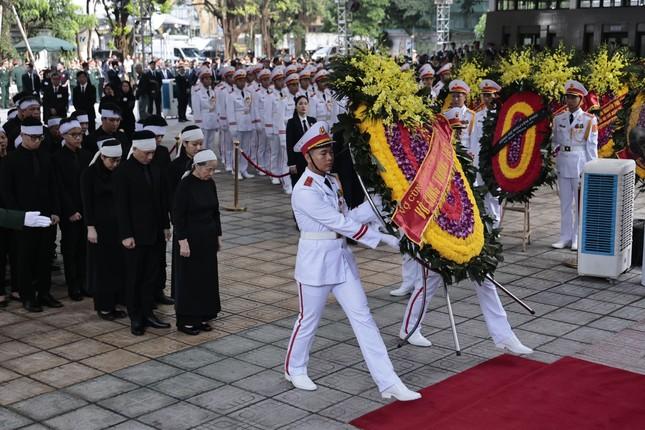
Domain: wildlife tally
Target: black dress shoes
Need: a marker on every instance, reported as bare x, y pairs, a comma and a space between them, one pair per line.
76, 296
118, 314
49, 301
137, 329
154, 322
32, 306
107, 316
205, 327
162, 299
190, 330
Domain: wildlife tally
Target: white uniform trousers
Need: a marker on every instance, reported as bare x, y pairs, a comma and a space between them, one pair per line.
246, 142
211, 141
568, 208
226, 148
255, 143
263, 151
274, 154
352, 299
491, 306
284, 168
409, 269
493, 209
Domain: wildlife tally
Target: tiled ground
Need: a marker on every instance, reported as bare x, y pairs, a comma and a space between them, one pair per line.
66, 369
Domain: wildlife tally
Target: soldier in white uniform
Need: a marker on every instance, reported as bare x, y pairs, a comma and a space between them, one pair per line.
225, 139
238, 113
293, 88
489, 90
204, 105
575, 140
445, 76
459, 91
426, 75
305, 83
261, 116
325, 264
278, 130
322, 105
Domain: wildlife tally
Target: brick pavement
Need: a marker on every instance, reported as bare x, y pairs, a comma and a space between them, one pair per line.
67, 369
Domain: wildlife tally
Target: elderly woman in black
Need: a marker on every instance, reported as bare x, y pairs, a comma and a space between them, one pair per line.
198, 230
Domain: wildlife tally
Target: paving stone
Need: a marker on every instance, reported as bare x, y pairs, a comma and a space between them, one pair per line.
551, 298
267, 334
312, 401
10, 420
548, 327
147, 373
47, 405
572, 316
269, 414
137, 402
101, 388
574, 290
90, 417
630, 312
225, 423
232, 345
588, 334
349, 380
341, 353
226, 399
7, 375
186, 385
229, 370
268, 383
82, 349
266, 356
12, 349
610, 323
34, 427
563, 347
21, 388
191, 358
114, 360
350, 408
33, 363
67, 374
179, 416
131, 425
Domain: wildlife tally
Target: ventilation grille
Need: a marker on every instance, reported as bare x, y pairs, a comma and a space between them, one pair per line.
598, 224
627, 212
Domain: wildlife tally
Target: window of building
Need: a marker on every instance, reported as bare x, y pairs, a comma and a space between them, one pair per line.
609, 3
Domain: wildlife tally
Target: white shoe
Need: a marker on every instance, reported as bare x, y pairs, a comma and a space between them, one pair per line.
574, 245
247, 175
302, 382
417, 339
561, 244
514, 345
400, 392
401, 291
288, 192
275, 181
261, 173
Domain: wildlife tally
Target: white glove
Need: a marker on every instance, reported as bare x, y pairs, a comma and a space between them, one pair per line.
391, 241
378, 201
34, 219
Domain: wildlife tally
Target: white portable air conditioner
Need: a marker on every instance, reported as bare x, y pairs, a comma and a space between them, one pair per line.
606, 218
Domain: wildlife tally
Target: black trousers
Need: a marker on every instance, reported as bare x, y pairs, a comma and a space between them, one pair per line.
73, 247
182, 105
141, 277
91, 116
155, 98
161, 272
34, 261
7, 255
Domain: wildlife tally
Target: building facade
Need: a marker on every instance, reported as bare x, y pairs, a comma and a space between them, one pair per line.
581, 24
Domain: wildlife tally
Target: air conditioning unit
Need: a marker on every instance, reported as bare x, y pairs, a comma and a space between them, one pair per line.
606, 218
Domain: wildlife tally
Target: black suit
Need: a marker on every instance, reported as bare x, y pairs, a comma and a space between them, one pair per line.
69, 165
183, 95
142, 213
27, 86
155, 91
114, 79
85, 101
55, 100
295, 130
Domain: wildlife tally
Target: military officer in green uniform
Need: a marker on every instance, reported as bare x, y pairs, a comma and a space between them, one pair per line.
16, 74
5, 79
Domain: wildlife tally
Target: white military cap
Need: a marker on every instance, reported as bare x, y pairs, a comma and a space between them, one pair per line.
575, 88
458, 86
488, 86
426, 71
316, 136
445, 68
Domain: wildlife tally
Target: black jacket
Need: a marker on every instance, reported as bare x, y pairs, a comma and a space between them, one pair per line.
57, 100
294, 133
141, 207
26, 84
85, 102
69, 166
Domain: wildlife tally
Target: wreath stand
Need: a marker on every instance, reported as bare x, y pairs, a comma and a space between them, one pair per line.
525, 233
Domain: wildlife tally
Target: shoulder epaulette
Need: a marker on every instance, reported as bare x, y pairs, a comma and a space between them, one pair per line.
308, 181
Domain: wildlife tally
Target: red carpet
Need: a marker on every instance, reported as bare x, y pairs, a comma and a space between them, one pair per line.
515, 393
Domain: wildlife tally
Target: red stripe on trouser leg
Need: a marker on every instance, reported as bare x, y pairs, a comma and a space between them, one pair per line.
407, 319
295, 332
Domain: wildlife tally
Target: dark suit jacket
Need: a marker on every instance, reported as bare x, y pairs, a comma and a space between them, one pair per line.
68, 166
58, 100
26, 84
141, 207
85, 102
294, 133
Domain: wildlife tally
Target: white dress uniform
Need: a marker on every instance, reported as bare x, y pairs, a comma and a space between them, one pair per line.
204, 103
225, 139
238, 112
323, 106
325, 264
575, 138
259, 115
277, 134
466, 119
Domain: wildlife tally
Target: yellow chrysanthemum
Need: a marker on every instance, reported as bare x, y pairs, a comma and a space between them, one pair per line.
516, 67
605, 71
472, 73
552, 71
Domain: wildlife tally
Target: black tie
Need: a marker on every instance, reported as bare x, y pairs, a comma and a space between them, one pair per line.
304, 125
208, 92
242, 91
328, 184
324, 98
146, 173
570, 118
83, 90
36, 164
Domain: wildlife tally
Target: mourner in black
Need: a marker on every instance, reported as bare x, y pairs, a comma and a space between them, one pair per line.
296, 127
55, 98
154, 89
6, 238
70, 162
157, 125
84, 98
183, 93
31, 82
105, 262
196, 219
126, 102
27, 183
109, 129
142, 214
28, 107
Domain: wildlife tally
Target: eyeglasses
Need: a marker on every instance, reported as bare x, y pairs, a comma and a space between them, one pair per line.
35, 136
75, 135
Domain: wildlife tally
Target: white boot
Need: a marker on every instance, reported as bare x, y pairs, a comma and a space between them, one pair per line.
302, 382
561, 244
417, 339
514, 345
401, 291
400, 392
247, 175
275, 181
574, 245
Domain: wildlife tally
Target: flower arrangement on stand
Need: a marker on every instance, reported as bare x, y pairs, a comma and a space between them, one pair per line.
406, 154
